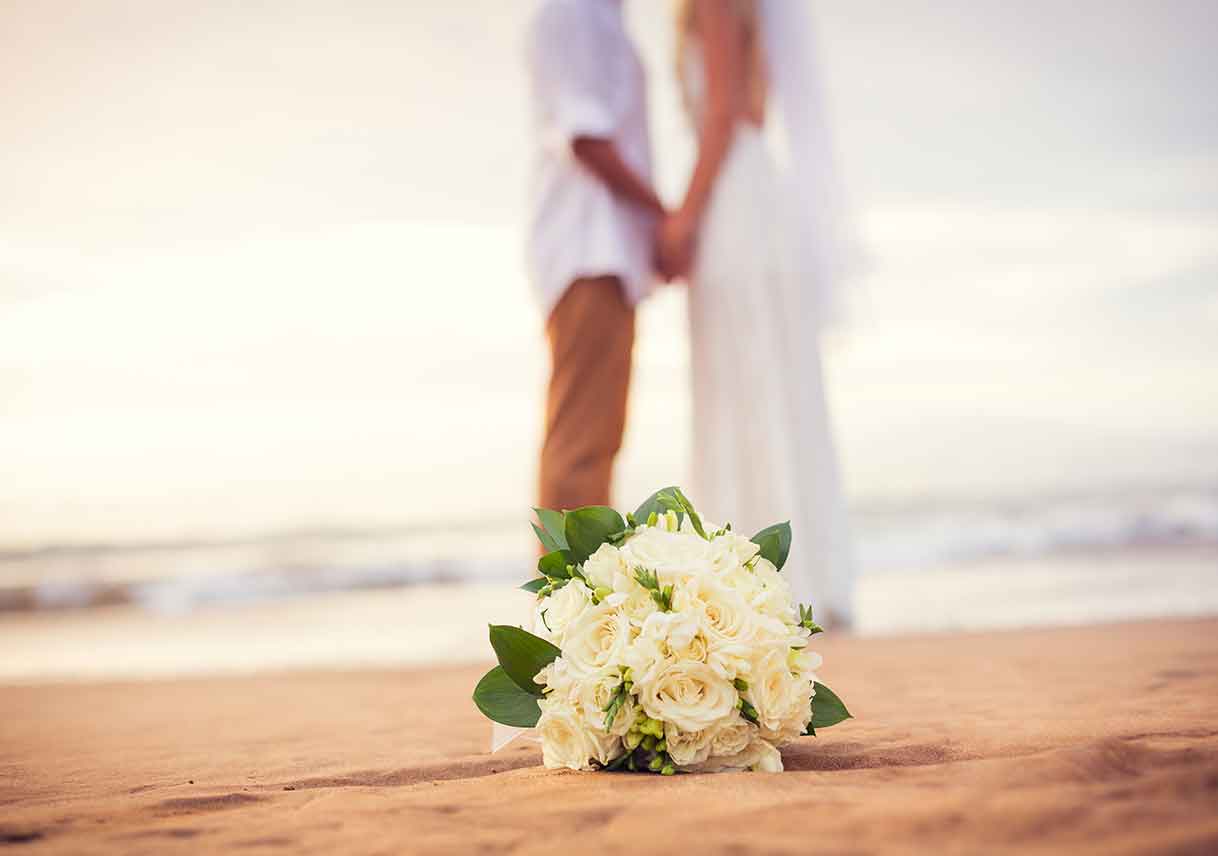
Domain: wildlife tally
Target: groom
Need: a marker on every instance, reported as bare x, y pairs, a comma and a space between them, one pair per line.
592, 233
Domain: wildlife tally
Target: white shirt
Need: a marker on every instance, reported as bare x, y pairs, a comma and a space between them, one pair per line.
587, 81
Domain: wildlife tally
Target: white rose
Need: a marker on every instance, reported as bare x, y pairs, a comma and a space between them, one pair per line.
776, 694
595, 692
599, 637
688, 747
727, 623
556, 612
565, 741
724, 615
673, 556
603, 565
690, 695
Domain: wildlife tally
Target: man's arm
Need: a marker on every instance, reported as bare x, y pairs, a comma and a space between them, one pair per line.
570, 77
601, 157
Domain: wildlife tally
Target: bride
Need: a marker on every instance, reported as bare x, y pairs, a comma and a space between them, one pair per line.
759, 270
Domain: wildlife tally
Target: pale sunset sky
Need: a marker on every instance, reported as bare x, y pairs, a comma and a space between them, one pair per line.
261, 267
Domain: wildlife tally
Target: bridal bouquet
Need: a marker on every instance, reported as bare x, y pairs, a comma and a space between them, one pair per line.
660, 643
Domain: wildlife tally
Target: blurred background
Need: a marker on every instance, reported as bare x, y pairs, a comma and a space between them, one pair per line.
271, 373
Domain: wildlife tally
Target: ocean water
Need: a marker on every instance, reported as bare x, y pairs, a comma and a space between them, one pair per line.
912, 540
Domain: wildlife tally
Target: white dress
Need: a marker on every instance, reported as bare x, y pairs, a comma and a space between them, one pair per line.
762, 445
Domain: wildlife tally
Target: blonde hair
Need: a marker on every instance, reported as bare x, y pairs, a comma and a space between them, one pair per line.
755, 83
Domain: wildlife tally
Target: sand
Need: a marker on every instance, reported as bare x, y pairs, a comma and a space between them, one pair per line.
1089, 740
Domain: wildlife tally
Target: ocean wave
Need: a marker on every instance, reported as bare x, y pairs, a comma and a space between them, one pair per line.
175, 578
911, 538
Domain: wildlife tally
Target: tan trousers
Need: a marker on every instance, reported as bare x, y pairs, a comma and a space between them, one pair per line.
591, 333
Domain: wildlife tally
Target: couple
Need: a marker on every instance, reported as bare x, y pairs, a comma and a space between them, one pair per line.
757, 265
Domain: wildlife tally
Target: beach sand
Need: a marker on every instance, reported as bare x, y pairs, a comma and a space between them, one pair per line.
1092, 740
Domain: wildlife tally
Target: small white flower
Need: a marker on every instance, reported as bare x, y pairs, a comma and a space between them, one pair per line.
765, 757
558, 679
674, 629
730, 551
772, 595
732, 737
688, 747
603, 565
759, 755
635, 601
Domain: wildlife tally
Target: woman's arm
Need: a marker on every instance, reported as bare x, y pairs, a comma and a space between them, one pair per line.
720, 35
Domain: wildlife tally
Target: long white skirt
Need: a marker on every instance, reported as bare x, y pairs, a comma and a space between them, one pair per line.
763, 450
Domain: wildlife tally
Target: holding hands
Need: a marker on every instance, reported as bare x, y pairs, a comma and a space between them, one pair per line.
674, 245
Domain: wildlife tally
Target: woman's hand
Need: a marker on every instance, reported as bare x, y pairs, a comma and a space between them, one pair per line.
675, 240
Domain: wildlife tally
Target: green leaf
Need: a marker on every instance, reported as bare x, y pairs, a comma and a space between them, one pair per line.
535, 585
552, 523
656, 504
775, 543
522, 655
500, 699
589, 527
827, 708
545, 538
554, 565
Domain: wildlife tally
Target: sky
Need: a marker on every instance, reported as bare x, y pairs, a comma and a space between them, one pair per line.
261, 264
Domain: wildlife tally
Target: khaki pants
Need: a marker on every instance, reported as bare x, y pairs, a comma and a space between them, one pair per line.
591, 334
